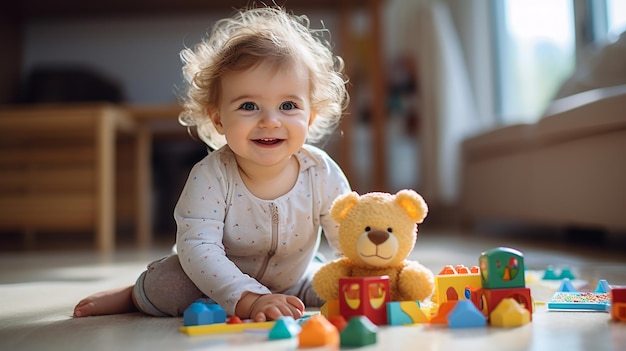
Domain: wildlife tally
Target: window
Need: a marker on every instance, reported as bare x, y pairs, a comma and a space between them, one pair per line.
536, 48
616, 18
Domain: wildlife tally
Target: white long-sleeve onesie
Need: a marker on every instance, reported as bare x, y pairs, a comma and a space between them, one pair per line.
230, 242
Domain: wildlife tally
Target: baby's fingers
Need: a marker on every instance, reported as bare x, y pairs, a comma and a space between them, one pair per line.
297, 304
260, 317
274, 312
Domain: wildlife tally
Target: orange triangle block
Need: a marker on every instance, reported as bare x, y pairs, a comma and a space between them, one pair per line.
318, 331
442, 315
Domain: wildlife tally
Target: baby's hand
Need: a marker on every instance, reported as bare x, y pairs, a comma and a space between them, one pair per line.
263, 308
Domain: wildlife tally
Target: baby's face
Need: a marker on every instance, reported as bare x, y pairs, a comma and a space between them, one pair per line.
265, 112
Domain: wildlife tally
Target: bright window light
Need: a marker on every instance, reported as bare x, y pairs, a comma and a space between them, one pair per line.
536, 52
616, 13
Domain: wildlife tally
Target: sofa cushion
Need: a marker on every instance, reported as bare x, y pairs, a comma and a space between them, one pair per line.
586, 113
503, 140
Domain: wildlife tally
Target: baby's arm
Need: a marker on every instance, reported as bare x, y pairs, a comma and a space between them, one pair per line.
266, 307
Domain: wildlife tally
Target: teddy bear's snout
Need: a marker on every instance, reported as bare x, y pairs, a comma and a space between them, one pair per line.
377, 237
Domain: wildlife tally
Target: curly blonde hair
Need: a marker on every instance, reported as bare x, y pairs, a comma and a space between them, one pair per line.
253, 36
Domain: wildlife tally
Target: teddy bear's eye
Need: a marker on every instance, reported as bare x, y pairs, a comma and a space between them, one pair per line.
367, 229
389, 230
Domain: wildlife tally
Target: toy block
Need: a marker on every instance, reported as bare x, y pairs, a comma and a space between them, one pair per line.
200, 313
618, 303
589, 301
317, 332
501, 268
442, 315
330, 308
364, 296
234, 320
405, 312
550, 274
429, 308
304, 319
220, 328
566, 286
566, 273
338, 321
486, 300
509, 314
359, 332
451, 287
458, 269
447, 269
284, 328
603, 286
461, 269
465, 315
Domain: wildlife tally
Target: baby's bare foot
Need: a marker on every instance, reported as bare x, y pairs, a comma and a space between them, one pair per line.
113, 301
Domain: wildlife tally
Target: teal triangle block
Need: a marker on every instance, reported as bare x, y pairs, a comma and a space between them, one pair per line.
566, 286
603, 286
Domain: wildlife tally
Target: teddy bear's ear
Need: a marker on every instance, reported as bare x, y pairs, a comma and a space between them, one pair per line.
413, 204
342, 205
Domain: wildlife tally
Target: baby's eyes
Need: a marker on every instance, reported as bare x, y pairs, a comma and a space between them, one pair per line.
248, 106
251, 106
288, 105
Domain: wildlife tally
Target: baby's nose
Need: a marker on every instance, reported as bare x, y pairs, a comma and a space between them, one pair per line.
270, 119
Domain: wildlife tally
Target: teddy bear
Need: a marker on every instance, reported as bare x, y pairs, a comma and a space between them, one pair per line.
377, 232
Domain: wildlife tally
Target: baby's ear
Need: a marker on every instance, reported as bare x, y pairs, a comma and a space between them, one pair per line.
312, 117
342, 205
413, 204
216, 119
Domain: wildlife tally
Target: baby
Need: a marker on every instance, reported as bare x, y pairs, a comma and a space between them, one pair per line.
260, 89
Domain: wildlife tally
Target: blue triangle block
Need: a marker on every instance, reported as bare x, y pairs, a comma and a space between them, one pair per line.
466, 315
566, 286
603, 286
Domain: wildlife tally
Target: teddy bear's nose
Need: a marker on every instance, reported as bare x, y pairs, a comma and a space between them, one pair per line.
377, 237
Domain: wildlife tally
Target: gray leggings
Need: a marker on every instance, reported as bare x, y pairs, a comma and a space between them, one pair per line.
165, 290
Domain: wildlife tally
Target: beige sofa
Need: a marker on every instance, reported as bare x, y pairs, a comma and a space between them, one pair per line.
567, 170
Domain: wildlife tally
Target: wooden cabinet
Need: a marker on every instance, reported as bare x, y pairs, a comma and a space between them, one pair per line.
58, 169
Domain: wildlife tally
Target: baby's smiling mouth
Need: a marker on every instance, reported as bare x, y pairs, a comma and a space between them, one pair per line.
268, 141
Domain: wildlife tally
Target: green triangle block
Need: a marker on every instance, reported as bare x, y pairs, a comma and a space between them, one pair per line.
360, 331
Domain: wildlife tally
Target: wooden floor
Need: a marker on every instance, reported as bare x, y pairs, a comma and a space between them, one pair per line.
38, 290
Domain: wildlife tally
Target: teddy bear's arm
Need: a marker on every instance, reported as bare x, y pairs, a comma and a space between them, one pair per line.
326, 280
415, 282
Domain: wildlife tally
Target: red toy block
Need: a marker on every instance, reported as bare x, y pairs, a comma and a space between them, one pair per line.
486, 300
234, 320
618, 303
364, 296
338, 321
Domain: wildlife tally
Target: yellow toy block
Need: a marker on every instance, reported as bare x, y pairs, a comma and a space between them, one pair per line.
450, 285
218, 328
405, 312
509, 314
